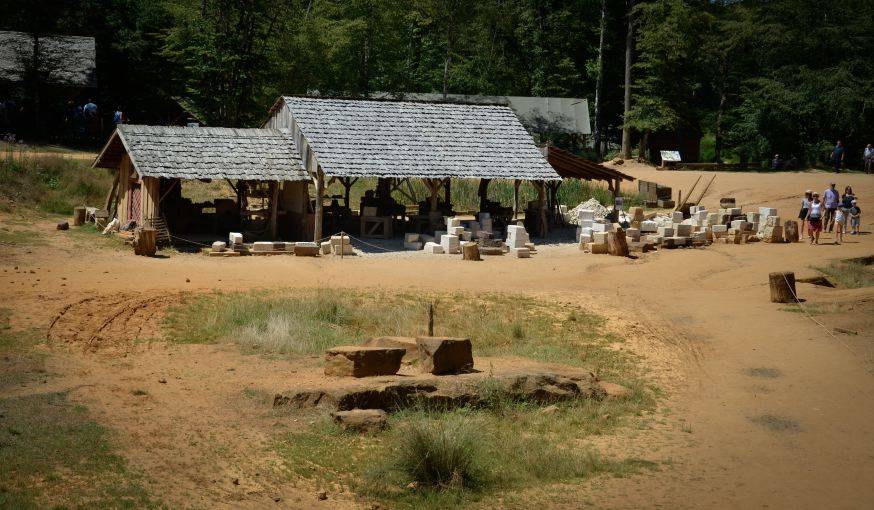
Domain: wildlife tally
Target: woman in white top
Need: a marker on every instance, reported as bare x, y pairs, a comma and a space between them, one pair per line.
814, 219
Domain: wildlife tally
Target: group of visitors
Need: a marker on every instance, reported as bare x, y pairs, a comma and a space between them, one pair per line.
839, 152
831, 212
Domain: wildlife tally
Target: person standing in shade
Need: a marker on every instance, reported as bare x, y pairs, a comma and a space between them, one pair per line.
118, 117
830, 199
814, 219
805, 209
837, 156
868, 158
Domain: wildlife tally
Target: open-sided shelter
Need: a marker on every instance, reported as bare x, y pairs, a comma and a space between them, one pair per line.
348, 139
151, 161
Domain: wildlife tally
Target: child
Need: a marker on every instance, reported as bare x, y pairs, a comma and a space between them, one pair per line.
855, 217
840, 225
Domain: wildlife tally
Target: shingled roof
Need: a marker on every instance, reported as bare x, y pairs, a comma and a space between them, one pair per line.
67, 60
366, 138
205, 153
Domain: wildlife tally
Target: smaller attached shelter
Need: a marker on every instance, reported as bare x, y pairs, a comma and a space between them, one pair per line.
150, 162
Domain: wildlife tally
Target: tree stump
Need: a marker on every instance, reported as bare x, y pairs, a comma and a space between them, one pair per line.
617, 244
790, 231
470, 251
145, 242
782, 287
78, 216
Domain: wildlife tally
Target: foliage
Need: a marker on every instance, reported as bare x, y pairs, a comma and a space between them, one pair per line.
851, 273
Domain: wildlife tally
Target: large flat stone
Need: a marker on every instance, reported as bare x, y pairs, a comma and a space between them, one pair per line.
362, 361
397, 342
361, 420
444, 355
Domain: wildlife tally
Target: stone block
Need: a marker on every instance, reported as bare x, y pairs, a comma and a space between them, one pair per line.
790, 232
219, 246
585, 215
636, 213
772, 234
452, 221
433, 248
773, 221
719, 229
467, 235
455, 231
734, 211
235, 238
416, 245
445, 355
262, 247
362, 361
325, 247
306, 249
520, 253
767, 211
648, 226
396, 342
654, 238
741, 225
451, 244
682, 230
412, 238
597, 248
585, 223
361, 420
666, 231
599, 237
633, 234
753, 217
677, 216
713, 218
602, 227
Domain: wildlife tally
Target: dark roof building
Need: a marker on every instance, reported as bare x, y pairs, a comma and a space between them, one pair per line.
64, 60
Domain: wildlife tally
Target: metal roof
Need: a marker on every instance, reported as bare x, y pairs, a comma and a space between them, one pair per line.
67, 60
367, 138
205, 153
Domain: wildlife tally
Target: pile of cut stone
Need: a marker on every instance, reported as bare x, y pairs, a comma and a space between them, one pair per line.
702, 227
458, 233
236, 247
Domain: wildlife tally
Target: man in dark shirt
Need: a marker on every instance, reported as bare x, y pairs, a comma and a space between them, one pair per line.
838, 156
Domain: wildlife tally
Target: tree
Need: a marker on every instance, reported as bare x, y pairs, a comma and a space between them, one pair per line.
629, 44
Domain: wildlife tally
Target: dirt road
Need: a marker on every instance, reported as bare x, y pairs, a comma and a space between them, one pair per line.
762, 407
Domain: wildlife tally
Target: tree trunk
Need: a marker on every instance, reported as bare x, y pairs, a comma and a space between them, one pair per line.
145, 243
470, 252
782, 287
629, 43
718, 136
599, 83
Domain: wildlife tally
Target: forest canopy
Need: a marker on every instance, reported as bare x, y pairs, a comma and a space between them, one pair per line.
755, 77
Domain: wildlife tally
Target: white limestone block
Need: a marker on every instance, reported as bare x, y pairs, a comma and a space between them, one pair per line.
456, 231
326, 247
219, 246
666, 231
585, 214
262, 246
654, 238
719, 228
677, 216
767, 211
450, 244
235, 238
649, 226
433, 248
452, 221
520, 253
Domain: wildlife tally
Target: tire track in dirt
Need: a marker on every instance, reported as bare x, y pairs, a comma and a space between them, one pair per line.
112, 320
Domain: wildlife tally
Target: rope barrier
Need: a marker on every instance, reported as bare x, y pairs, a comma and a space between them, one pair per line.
809, 316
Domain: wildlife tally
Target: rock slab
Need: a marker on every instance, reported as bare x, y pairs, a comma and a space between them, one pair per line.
444, 355
361, 420
361, 361
397, 342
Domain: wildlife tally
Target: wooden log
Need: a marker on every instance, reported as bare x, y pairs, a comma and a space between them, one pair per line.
790, 231
470, 251
617, 244
78, 216
782, 287
145, 242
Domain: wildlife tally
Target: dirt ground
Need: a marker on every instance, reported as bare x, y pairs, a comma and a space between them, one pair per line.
762, 407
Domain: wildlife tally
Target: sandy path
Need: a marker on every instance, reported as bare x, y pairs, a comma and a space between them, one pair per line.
710, 322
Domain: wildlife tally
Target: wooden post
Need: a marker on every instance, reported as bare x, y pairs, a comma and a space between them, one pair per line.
320, 190
145, 242
109, 196
274, 206
782, 287
516, 184
541, 199
432, 188
431, 319
342, 243
470, 252
78, 216
447, 190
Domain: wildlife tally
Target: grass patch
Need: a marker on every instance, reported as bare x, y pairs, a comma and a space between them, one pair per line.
20, 237
850, 274
52, 455
52, 185
306, 322
447, 459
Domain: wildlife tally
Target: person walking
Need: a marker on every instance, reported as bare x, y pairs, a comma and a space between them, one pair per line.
855, 218
847, 198
118, 117
814, 219
830, 198
868, 158
837, 156
840, 225
805, 209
